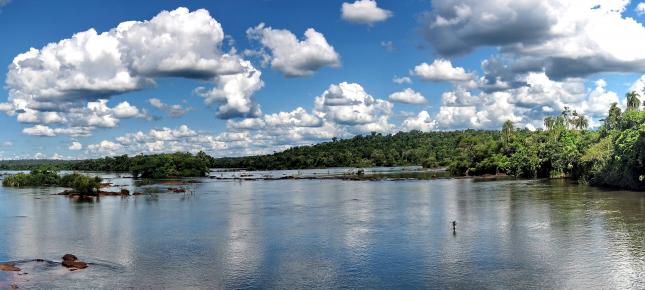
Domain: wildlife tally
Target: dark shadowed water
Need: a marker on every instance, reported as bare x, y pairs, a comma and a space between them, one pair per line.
306, 234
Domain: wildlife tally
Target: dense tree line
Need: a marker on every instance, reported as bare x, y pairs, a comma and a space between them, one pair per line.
31, 164
178, 164
432, 149
170, 165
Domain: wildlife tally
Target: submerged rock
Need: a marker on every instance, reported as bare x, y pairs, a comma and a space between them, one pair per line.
71, 261
75, 265
9, 267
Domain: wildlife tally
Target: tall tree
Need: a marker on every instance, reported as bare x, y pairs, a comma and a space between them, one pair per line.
633, 102
581, 122
613, 117
507, 130
549, 122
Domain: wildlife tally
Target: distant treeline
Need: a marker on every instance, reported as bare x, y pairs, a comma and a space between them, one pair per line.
613, 155
431, 149
144, 166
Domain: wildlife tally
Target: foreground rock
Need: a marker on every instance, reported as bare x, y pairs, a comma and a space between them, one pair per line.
70, 261
9, 267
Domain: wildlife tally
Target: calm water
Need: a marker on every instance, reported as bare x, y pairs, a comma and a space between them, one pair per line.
331, 234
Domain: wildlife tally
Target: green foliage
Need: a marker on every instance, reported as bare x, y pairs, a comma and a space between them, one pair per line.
145, 166
169, 165
432, 149
41, 176
618, 159
45, 176
81, 184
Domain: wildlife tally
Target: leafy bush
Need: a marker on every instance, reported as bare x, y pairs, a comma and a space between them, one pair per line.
81, 184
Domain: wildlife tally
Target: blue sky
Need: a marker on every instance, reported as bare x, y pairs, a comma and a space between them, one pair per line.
343, 84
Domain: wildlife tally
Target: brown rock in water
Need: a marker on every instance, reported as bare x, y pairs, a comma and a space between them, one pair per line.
75, 264
125, 191
70, 261
69, 257
9, 267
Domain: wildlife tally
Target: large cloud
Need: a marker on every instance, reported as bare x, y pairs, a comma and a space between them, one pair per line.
291, 56
565, 38
364, 12
67, 76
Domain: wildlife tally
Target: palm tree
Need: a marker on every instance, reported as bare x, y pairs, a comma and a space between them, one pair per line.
507, 130
549, 122
572, 122
581, 122
633, 102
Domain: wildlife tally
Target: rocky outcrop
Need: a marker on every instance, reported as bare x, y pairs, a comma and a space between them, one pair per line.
70, 261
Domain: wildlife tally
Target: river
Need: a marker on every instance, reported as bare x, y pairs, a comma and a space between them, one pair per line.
309, 233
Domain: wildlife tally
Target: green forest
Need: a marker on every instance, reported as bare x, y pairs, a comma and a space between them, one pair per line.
612, 155
169, 165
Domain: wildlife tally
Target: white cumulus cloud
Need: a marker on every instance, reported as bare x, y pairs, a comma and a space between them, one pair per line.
68, 82
291, 56
364, 12
422, 122
440, 70
408, 96
75, 146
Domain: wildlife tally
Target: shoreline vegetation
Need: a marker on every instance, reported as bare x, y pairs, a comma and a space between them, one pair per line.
46, 176
613, 155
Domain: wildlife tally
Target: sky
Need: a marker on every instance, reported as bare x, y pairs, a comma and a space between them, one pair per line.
86, 79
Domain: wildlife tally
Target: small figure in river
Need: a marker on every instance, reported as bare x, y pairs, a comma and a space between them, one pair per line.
454, 227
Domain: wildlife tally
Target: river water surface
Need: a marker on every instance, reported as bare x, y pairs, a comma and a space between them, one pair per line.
308, 234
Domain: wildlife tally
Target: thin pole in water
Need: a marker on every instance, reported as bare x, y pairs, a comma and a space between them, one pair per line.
454, 227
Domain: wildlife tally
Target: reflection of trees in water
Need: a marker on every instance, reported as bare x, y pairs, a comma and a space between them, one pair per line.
83, 199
